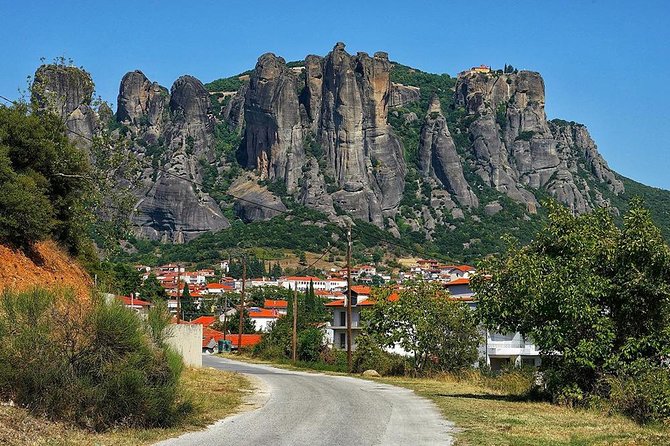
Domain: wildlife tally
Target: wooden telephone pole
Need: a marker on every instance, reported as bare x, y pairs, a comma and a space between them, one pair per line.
178, 294
242, 302
349, 364
294, 339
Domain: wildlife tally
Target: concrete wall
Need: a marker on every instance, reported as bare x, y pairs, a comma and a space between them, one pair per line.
187, 340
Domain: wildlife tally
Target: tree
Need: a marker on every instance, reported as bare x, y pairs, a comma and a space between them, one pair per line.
43, 180
189, 307
594, 297
127, 279
440, 333
151, 290
276, 271
248, 326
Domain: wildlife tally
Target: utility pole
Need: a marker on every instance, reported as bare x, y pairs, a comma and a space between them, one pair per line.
349, 297
178, 293
241, 325
225, 316
294, 339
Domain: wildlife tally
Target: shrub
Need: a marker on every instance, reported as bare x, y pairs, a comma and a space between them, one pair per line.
310, 344
645, 397
94, 365
369, 355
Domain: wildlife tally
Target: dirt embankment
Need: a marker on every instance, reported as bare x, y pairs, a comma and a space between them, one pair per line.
48, 266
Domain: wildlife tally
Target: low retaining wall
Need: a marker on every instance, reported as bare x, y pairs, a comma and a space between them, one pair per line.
187, 340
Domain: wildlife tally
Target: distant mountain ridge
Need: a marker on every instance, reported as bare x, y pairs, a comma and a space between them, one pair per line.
351, 136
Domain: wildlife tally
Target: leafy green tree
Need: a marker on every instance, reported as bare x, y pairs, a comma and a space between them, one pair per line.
440, 333
594, 297
127, 279
256, 296
248, 326
151, 290
189, 307
43, 180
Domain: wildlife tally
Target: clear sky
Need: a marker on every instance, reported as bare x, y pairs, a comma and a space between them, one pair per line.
605, 63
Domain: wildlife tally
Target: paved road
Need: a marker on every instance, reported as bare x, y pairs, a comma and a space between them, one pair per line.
300, 408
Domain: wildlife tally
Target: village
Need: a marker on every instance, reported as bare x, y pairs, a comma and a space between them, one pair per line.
216, 296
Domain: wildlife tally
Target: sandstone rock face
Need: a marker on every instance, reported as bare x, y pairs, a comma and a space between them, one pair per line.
402, 95
273, 132
140, 101
254, 202
339, 104
67, 92
179, 125
438, 158
515, 148
233, 114
576, 136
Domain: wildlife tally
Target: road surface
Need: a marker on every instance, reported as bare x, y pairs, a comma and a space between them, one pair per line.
299, 408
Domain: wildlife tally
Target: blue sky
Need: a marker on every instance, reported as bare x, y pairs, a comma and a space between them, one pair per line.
605, 63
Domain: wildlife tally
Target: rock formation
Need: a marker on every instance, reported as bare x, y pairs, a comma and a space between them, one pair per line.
67, 91
513, 144
438, 158
402, 95
342, 110
273, 131
179, 127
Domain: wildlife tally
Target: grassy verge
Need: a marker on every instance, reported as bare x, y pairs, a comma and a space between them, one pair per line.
215, 395
489, 412
489, 418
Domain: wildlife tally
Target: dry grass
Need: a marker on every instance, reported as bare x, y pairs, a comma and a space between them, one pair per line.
215, 395
488, 417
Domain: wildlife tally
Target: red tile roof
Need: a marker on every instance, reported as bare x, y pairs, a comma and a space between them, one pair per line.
465, 268
360, 289
271, 303
248, 340
219, 286
263, 313
459, 281
127, 301
205, 321
336, 303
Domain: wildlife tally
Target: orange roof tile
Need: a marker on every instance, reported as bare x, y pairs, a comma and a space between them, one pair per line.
219, 286
278, 303
459, 281
128, 301
205, 321
263, 313
360, 289
248, 340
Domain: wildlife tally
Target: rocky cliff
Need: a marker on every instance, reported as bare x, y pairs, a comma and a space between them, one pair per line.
67, 91
172, 135
516, 151
318, 133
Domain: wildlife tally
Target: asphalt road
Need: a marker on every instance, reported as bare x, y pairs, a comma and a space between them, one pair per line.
299, 408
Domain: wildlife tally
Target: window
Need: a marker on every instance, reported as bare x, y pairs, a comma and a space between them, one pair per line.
343, 318
343, 340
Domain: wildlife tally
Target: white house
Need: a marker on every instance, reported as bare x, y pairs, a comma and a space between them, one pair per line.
336, 329
302, 282
262, 317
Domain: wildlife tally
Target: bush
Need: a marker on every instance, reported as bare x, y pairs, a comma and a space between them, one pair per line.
310, 344
645, 397
93, 365
369, 355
